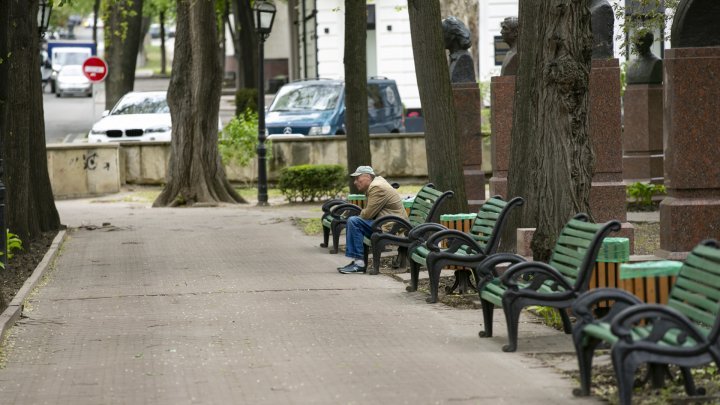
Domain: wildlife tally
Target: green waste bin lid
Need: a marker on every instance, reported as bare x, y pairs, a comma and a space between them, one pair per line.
614, 250
658, 268
356, 197
457, 217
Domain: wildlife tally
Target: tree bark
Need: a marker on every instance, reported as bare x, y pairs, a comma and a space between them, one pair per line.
195, 174
163, 51
551, 154
246, 45
30, 203
433, 78
123, 21
96, 14
356, 105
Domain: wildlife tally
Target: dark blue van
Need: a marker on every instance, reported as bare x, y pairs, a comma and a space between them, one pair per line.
317, 107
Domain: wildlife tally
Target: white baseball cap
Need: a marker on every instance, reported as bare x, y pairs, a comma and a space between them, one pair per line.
363, 170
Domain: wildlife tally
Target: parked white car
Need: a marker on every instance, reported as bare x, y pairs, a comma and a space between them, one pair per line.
72, 81
138, 116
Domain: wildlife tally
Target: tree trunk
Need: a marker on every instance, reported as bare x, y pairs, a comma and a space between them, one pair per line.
30, 204
163, 51
356, 112
4, 84
246, 45
433, 78
195, 174
123, 20
96, 14
551, 154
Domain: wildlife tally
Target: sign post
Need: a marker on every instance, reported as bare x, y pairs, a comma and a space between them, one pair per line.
95, 69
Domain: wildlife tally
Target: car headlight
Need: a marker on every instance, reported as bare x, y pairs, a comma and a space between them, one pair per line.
323, 130
97, 132
157, 130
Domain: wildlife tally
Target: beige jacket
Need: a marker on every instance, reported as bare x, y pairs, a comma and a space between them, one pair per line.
382, 200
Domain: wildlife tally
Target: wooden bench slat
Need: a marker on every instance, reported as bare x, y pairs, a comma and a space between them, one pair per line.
701, 276
697, 300
691, 312
691, 285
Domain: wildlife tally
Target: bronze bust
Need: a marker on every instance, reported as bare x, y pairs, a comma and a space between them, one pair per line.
509, 32
646, 68
457, 41
602, 20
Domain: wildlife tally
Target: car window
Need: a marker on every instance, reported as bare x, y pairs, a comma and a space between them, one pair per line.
315, 97
72, 70
374, 98
141, 104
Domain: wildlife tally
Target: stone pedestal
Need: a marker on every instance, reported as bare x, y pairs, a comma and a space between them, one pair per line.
643, 133
607, 195
691, 211
467, 110
502, 94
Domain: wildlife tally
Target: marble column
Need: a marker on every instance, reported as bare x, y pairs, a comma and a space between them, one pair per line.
607, 195
691, 210
502, 94
643, 133
467, 109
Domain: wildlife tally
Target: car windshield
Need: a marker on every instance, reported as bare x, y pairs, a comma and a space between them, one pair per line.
72, 70
304, 97
70, 58
141, 104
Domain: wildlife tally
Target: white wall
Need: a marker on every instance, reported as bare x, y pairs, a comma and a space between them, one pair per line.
393, 53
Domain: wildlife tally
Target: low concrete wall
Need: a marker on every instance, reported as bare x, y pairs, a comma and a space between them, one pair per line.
394, 156
82, 170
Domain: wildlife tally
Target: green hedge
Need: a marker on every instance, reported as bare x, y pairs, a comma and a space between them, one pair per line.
312, 182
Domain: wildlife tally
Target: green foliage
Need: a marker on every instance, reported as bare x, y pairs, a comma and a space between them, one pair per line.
239, 139
13, 243
652, 20
311, 182
309, 226
551, 316
642, 193
246, 99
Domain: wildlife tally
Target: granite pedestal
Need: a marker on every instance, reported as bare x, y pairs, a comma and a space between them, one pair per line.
502, 94
643, 133
467, 109
691, 211
607, 195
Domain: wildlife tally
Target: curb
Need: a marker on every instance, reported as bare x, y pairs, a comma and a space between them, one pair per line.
14, 310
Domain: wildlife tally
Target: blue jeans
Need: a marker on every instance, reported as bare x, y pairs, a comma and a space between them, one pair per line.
355, 231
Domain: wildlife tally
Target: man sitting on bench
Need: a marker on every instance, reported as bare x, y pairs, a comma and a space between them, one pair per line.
382, 199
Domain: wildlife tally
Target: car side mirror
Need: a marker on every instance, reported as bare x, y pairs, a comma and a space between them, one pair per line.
105, 113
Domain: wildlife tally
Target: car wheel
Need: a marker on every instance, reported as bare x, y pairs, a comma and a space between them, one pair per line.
57, 94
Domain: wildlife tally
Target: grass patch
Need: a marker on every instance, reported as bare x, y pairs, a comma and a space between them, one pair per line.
251, 193
310, 226
153, 58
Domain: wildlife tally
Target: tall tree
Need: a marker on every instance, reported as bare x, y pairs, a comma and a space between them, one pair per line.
245, 42
433, 77
551, 154
195, 174
30, 204
356, 107
123, 25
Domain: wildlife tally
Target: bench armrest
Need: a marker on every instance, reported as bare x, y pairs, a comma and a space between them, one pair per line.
662, 318
344, 210
454, 239
399, 224
486, 271
587, 301
327, 206
540, 272
423, 231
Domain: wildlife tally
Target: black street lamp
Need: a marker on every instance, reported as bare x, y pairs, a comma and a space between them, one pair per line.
264, 18
44, 10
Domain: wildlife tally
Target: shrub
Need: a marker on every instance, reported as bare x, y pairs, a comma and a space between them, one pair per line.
642, 193
239, 139
13, 243
246, 99
311, 182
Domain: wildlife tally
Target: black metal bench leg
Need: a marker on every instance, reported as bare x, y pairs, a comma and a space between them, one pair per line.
512, 311
567, 325
585, 358
488, 311
625, 375
414, 275
689, 383
336, 231
326, 237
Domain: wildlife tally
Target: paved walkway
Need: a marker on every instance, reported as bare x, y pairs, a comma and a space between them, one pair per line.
234, 305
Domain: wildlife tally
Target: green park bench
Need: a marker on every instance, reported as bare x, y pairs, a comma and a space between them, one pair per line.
444, 247
555, 284
685, 332
424, 209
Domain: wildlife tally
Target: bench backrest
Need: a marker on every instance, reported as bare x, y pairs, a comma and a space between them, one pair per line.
488, 223
425, 206
696, 292
577, 248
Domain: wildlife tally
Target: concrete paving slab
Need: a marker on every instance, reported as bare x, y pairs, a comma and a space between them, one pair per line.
235, 305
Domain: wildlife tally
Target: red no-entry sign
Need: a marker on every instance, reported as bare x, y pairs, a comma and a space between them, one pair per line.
95, 69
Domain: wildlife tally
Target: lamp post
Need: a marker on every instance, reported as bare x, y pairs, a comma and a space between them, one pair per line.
264, 18
44, 10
